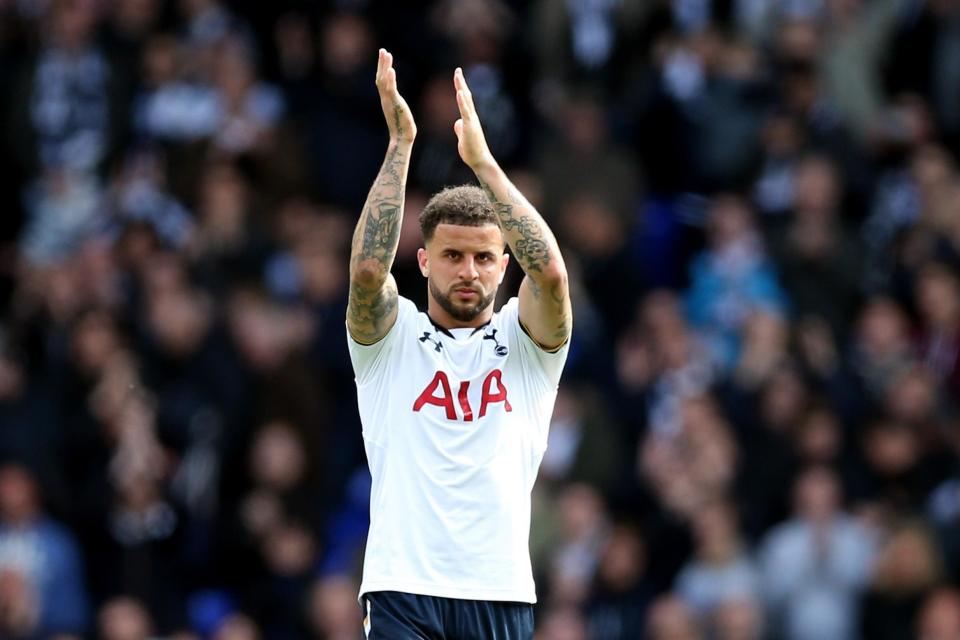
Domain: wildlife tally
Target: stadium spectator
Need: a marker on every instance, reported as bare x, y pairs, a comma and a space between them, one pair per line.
583, 529
123, 618
730, 280
41, 570
332, 608
939, 619
906, 570
669, 618
817, 256
816, 565
738, 619
622, 590
720, 570
562, 623
938, 301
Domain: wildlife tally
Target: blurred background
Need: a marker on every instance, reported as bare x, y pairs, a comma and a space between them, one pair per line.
757, 433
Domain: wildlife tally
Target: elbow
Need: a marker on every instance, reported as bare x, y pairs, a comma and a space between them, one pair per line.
368, 274
555, 276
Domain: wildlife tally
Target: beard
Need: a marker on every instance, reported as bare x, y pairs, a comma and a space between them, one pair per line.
462, 313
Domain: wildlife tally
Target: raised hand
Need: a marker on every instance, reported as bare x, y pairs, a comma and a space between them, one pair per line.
471, 144
395, 109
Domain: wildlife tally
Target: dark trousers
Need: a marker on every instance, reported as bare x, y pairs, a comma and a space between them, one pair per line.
391, 615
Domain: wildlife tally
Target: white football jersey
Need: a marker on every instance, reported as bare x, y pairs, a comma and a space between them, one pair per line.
454, 425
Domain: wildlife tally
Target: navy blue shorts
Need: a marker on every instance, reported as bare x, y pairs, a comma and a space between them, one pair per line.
391, 615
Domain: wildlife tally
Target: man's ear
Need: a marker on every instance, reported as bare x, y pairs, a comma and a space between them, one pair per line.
504, 261
423, 261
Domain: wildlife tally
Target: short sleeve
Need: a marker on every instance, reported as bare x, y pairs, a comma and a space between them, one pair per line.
370, 360
550, 363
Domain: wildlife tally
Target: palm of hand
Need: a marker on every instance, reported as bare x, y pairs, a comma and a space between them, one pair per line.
395, 109
471, 143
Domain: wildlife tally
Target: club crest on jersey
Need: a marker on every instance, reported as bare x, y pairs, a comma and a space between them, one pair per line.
499, 349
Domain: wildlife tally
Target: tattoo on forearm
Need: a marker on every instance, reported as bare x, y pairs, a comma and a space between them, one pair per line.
398, 120
533, 247
381, 215
375, 241
525, 233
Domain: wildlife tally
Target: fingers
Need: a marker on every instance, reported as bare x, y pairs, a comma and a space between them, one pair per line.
386, 74
464, 97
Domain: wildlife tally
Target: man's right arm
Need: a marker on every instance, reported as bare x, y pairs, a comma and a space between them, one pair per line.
372, 305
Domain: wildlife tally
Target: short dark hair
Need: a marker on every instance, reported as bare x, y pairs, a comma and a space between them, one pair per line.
465, 205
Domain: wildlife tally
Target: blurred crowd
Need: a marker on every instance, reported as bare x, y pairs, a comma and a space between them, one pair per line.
758, 430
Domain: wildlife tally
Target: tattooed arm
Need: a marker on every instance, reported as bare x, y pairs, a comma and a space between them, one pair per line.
372, 306
544, 293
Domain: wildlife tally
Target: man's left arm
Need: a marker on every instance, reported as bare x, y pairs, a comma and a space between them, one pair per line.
545, 310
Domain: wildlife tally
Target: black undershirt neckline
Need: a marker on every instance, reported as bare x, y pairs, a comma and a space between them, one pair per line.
446, 331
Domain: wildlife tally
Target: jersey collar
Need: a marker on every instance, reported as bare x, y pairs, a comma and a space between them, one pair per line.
446, 332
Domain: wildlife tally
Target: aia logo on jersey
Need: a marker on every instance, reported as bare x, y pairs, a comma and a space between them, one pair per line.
439, 394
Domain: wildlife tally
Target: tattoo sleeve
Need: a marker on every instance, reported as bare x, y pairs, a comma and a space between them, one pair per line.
524, 229
535, 248
373, 295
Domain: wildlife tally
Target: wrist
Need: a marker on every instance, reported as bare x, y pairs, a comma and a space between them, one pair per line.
486, 169
401, 143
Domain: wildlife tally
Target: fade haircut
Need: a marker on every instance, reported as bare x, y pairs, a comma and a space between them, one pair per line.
465, 205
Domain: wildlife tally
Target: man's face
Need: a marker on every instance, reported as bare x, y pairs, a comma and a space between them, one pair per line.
18, 494
464, 266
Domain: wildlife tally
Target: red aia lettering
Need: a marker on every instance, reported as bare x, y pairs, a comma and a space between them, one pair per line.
445, 399
427, 397
501, 396
465, 402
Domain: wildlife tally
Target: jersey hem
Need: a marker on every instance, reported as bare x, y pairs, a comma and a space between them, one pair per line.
438, 591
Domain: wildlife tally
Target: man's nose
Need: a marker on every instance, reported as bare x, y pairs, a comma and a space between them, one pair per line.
468, 270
